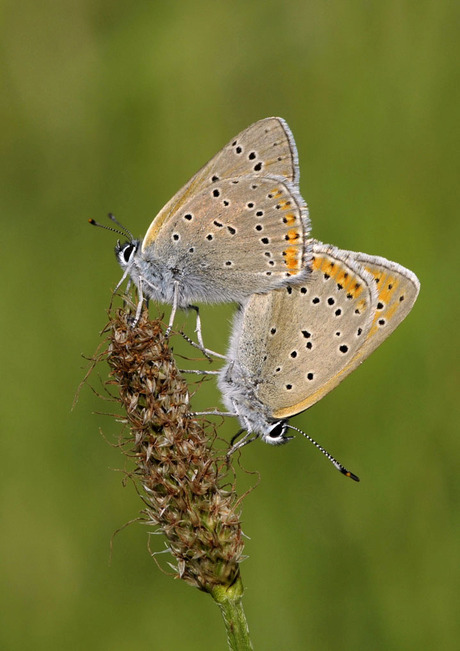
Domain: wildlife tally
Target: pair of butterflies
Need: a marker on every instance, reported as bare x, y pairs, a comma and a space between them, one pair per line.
309, 313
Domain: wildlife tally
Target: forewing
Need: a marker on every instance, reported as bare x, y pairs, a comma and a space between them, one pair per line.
265, 148
246, 234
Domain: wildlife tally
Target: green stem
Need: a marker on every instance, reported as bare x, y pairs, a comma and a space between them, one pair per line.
230, 601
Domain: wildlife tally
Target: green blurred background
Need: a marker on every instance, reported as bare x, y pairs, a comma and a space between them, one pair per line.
112, 106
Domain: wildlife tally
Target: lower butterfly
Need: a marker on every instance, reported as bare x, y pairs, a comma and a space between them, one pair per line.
292, 346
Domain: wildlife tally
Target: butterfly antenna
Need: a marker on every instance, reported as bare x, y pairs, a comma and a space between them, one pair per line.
112, 217
338, 465
124, 232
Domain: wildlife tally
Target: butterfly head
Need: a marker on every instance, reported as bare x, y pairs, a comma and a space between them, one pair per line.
126, 253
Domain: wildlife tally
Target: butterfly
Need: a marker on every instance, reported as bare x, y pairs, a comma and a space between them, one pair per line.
239, 226
290, 347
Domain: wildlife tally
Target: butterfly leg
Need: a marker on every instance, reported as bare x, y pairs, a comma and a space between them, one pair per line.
200, 345
212, 412
117, 287
174, 308
198, 325
139, 305
199, 372
235, 436
206, 351
120, 282
249, 437
199, 335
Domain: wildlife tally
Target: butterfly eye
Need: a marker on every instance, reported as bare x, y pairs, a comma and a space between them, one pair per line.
125, 252
276, 434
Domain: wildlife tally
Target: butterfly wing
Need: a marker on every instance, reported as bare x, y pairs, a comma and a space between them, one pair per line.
246, 235
265, 148
395, 292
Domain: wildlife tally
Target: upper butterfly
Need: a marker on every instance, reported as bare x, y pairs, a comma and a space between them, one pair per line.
239, 226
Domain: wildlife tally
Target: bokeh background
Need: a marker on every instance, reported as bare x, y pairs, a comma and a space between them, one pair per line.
112, 106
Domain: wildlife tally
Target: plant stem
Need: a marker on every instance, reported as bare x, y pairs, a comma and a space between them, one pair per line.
230, 601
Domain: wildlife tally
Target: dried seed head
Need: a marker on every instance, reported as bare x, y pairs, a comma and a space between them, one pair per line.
180, 472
